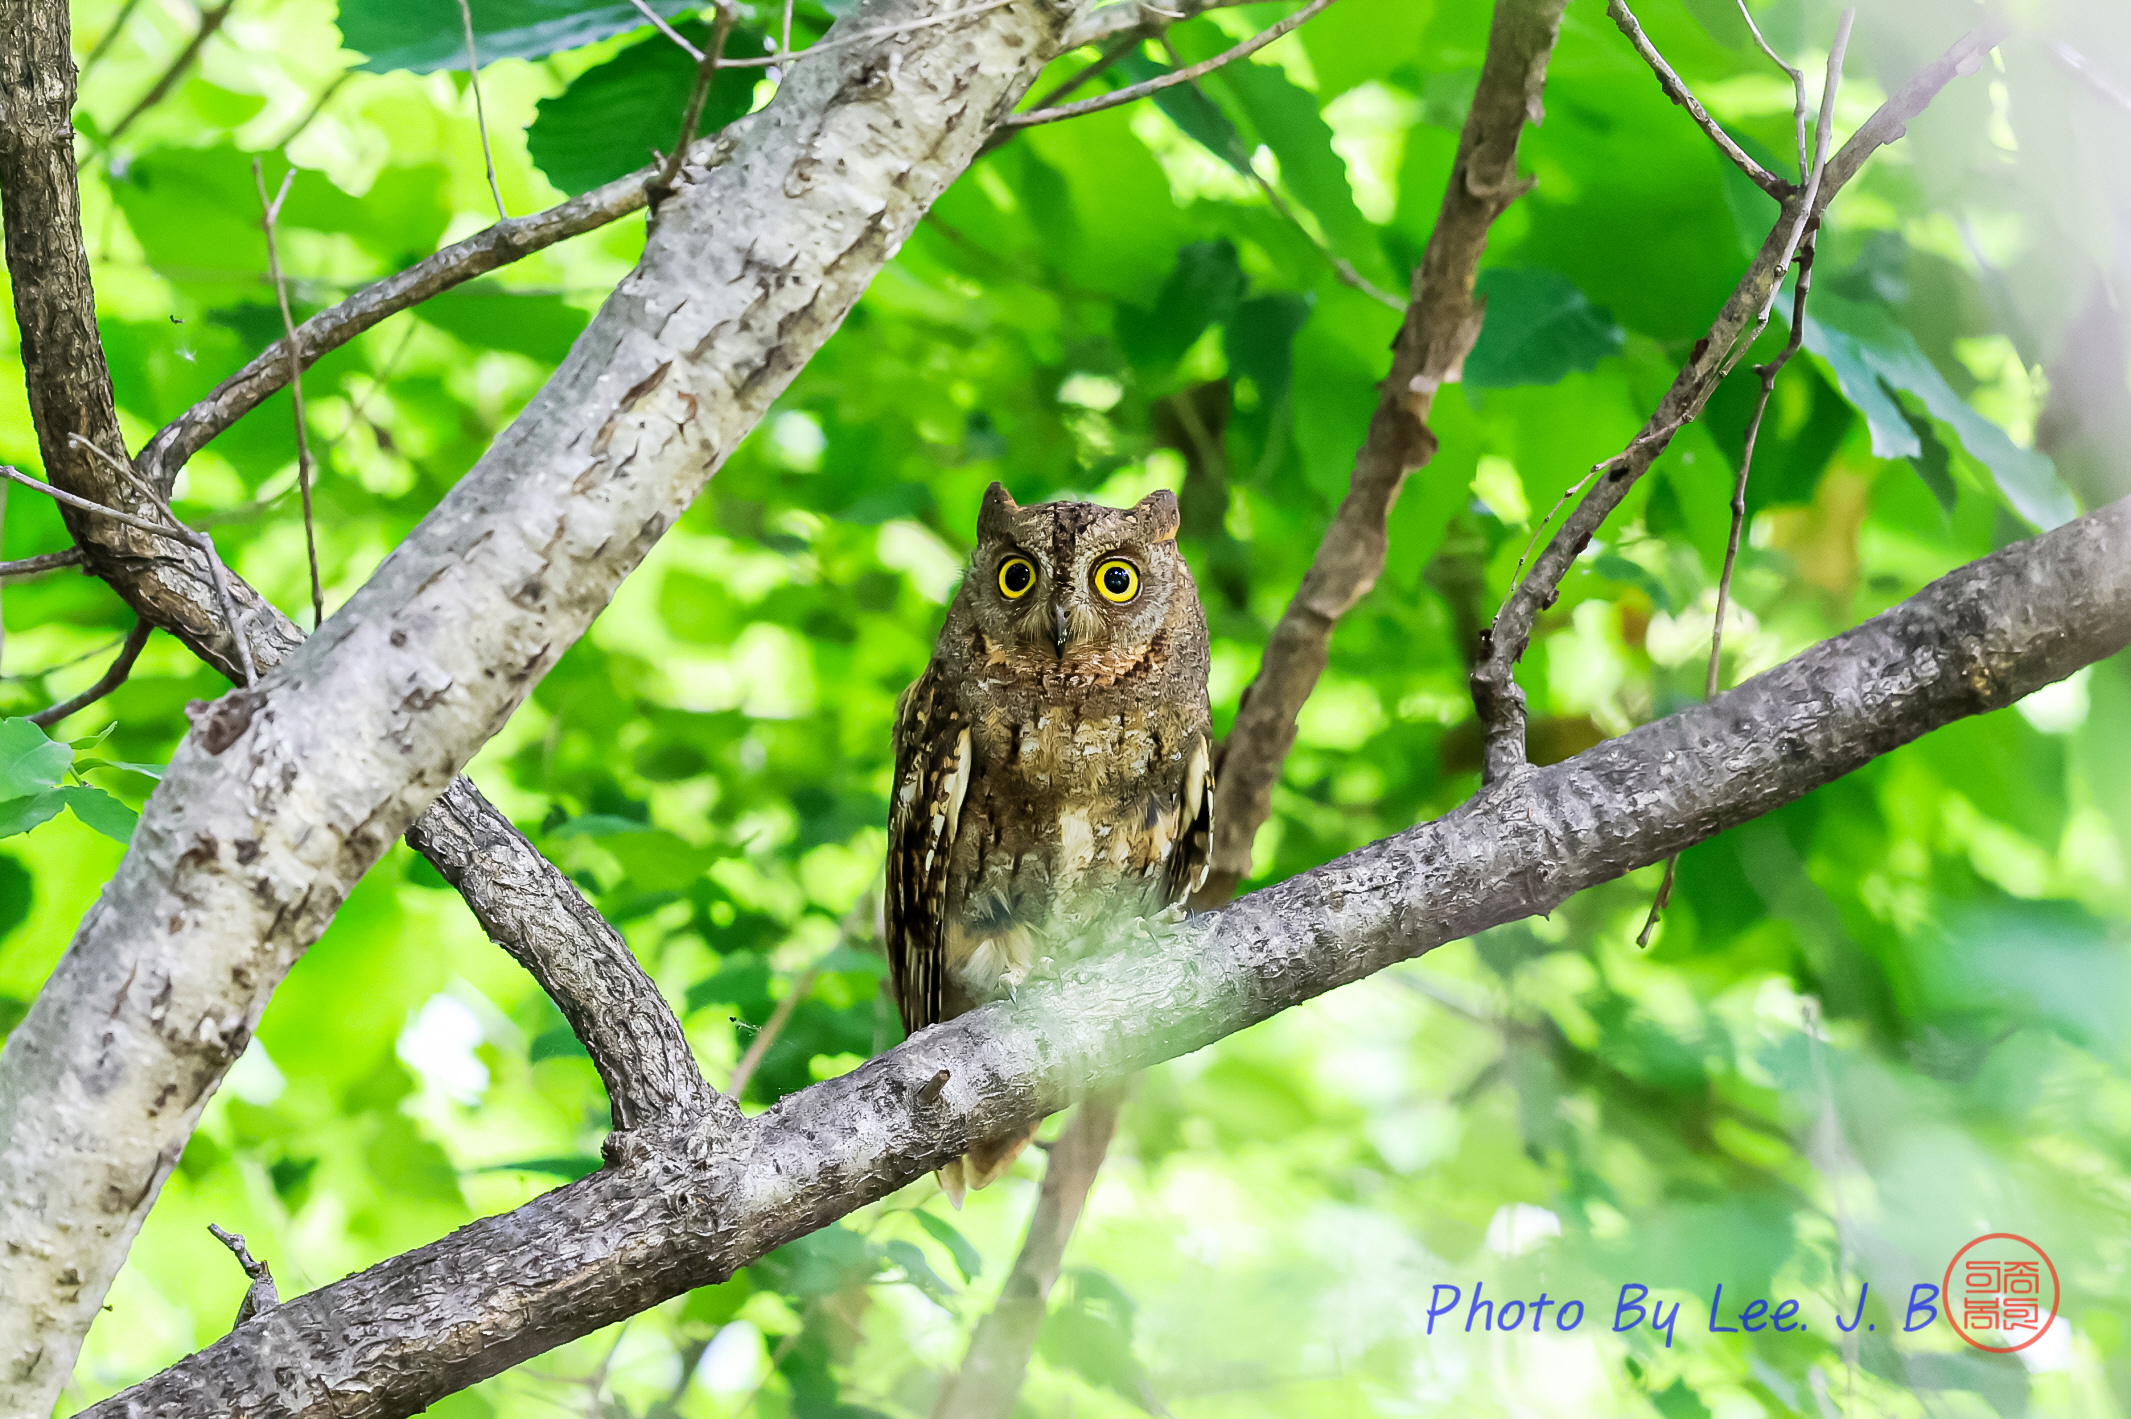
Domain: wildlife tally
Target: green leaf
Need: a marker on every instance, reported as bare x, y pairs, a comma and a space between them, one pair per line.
570, 1168
919, 1273
154, 771
428, 37
1260, 343
30, 759
1189, 109
19, 815
1871, 355
615, 115
1204, 289
101, 811
11, 1013
968, 1260
818, 1263
1538, 328
1287, 121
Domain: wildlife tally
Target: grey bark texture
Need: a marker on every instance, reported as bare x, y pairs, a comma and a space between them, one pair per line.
283, 796
399, 1336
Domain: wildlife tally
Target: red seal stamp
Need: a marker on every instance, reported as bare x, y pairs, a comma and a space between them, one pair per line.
2001, 1292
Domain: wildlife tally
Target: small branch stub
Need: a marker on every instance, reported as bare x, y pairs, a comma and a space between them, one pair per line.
261, 1295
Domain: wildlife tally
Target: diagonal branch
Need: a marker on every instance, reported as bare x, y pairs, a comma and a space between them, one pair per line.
398, 1337
1442, 321
1494, 686
210, 21
1676, 89
1133, 92
110, 680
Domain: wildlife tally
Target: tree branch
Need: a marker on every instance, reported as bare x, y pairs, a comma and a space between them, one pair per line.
42, 563
999, 1350
1442, 321
1494, 686
110, 680
283, 797
210, 21
1134, 92
524, 903
1676, 89
390, 1340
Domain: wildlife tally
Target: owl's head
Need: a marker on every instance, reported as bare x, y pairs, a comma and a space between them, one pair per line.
1068, 578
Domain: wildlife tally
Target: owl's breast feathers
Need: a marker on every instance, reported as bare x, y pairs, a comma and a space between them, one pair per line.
1033, 803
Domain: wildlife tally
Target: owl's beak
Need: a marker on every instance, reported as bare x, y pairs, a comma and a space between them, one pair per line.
1061, 628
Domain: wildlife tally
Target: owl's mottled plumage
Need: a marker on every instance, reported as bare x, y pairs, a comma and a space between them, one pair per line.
1052, 766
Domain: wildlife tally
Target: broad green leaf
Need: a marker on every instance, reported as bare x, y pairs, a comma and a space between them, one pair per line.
1188, 107
30, 760
101, 811
1286, 120
919, 1272
1537, 328
1870, 354
615, 116
154, 771
19, 815
1203, 290
968, 1260
426, 37
570, 1169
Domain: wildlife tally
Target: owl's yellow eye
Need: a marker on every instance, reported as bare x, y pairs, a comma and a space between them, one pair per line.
1016, 576
1117, 580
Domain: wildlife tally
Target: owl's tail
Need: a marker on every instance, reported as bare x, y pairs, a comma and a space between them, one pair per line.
984, 1164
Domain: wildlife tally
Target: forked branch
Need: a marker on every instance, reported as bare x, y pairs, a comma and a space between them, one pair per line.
1676, 89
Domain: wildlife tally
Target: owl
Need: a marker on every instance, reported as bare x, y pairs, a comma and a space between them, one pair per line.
1053, 770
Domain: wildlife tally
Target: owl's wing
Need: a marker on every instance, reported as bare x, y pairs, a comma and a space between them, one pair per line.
932, 767
1185, 872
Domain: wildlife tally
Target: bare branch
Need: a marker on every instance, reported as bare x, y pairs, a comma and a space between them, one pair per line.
310, 115
658, 22
110, 680
1441, 324
261, 1295
396, 1338
1801, 106
473, 81
1134, 92
706, 73
46, 562
210, 21
1676, 89
1000, 1347
272, 211
484, 251
1495, 693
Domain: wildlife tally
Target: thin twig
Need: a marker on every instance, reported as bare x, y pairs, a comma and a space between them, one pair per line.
473, 81
105, 684
787, 55
784, 36
172, 528
46, 562
1341, 267
260, 1295
310, 115
103, 46
2085, 70
1676, 89
210, 21
659, 22
1496, 695
1800, 104
706, 72
271, 211
1132, 92
854, 924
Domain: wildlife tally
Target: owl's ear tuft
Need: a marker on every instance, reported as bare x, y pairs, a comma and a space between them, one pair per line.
998, 505
1159, 515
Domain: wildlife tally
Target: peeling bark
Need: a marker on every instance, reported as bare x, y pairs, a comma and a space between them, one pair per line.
395, 1338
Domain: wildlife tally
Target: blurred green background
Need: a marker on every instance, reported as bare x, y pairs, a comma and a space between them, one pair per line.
1873, 1025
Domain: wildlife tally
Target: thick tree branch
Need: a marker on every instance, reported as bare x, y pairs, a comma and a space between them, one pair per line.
1494, 685
543, 920
999, 1350
283, 797
1442, 321
401, 1335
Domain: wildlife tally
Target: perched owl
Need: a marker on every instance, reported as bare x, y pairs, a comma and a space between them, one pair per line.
1053, 777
